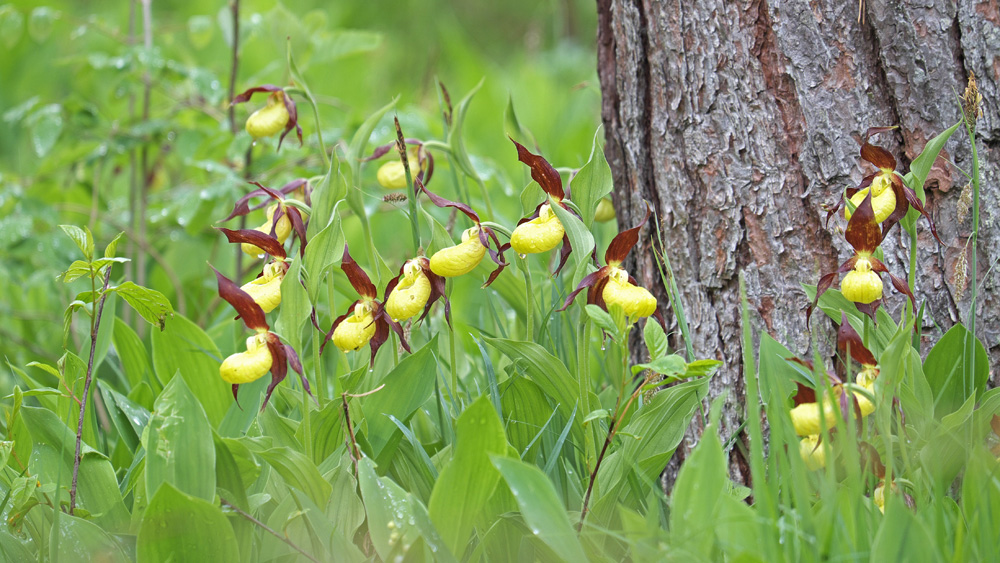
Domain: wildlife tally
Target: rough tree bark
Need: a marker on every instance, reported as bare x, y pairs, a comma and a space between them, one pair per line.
737, 119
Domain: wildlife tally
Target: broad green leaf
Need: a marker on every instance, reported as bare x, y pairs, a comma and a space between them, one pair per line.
547, 372
52, 462
112, 248
655, 339
129, 418
327, 432
467, 482
672, 366
131, 352
395, 517
407, 387
179, 446
513, 127
185, 348
460, 156
324, 251
11, 548
903, 537
340, 43
697, 496
77, 270
541, 507
602, 319
921, 166
179, 527
149, 303
326, 194
294, 310
76, 539
525, 412
83, 239
531, 196
579, 235
299, 472
362, 135
592, 182
956, 368
657, 429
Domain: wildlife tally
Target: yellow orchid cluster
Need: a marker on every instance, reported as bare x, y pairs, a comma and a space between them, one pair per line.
809, 418
264, 350
278, 116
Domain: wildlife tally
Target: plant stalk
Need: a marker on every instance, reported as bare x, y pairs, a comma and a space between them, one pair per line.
267, 529
95, 326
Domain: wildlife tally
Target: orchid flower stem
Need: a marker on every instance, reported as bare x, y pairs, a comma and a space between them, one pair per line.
451, 346
307, 94
307, 437
970, 350
332, 297
411, 202
395, 349
438, 145
583, 363
317, 364
865, 337
95, 326
529, 302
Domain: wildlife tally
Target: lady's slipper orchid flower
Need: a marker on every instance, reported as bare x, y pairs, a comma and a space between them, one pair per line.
392, 174
811, 451
862, 284
462, 258
849, 343
416, 287
279, 115
266, 288
891, 198
264, 353
605, 211
281, 221
612, 285
542, 231
366, 320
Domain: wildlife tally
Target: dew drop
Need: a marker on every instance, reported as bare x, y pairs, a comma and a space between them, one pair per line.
523, 256
253, 143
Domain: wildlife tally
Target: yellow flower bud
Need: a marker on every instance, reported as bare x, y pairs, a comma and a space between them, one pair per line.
878, 496
356, 330
248, 366
541, 234
805, 417
281, 231
862, 285
866, 379
883, 198
461, 258
605, 211
270, 119
636, 301
392, 175
410, 294
812, 453
266, 290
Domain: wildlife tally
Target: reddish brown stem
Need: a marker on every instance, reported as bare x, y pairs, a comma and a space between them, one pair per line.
95, 327
352, 444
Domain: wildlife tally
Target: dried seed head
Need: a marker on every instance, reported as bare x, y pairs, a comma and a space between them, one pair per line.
960, 277
972, 102
396, 197
964, 203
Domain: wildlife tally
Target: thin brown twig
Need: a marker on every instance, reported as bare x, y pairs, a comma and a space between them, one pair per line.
86, 386
234, 7
144, 178
268, 529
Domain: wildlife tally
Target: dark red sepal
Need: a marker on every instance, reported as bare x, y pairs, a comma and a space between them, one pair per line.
242, 206
624, 242
899, 284
847, 337
588, 281
279, 366
263, 241
446, 203
541, 171
862, 232
358, 278
248, 309
878, 156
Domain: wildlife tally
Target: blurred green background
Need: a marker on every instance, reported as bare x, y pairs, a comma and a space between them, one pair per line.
73, 134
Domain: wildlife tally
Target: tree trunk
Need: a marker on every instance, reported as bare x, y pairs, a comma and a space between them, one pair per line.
738, 119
